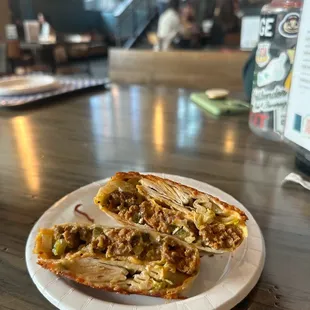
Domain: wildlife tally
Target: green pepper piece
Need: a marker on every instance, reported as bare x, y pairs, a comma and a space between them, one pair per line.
97, 232
181, 233
136, 217
59, 247
138, 249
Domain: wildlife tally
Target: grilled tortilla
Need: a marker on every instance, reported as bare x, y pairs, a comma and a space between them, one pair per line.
175, 209
124, 259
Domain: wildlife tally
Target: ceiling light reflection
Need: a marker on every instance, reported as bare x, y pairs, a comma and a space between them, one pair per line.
27, 152
115, 93
158, 126
229, 141
189, 123
135, 113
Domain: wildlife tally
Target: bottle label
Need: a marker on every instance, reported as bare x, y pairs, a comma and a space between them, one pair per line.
289, 25
272, 76
267, 26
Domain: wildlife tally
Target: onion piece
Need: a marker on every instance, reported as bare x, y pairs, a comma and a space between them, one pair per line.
46, 242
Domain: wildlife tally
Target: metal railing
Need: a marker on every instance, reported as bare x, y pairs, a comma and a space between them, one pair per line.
125, 19
131, 20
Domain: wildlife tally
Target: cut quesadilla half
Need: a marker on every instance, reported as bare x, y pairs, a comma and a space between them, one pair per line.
168, 207
123, 259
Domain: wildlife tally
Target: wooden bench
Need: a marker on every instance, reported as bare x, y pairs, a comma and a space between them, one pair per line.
200, 70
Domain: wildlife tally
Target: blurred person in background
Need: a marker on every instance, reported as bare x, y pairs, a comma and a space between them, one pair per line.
177, 28
19, 26
218, 20
47, 33
212, 32
203, 8
169, 25
191, 30
227, 15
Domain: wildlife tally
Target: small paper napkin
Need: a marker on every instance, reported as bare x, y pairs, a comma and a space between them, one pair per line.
296, 178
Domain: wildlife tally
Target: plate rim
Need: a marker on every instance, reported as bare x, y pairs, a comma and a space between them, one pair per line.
227, 304
53, 84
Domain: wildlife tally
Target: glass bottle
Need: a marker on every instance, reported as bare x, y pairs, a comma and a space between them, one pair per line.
279, 25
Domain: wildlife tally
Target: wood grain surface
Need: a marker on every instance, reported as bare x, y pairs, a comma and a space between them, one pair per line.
215, 69
50, 149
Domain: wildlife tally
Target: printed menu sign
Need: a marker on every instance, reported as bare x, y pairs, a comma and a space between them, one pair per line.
297, 127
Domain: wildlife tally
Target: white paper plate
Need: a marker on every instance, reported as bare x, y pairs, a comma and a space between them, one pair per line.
223, 281
23, 85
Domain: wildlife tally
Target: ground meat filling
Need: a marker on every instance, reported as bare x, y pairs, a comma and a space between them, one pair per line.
161, 220
135, 208
127, 242
119, 201
124, 242
181, 257
219, 236
126, 205
101, 243
73, 235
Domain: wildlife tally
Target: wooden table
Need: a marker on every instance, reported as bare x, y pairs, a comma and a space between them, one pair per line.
49, 150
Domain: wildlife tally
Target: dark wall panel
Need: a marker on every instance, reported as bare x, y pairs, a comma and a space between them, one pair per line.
68, 15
